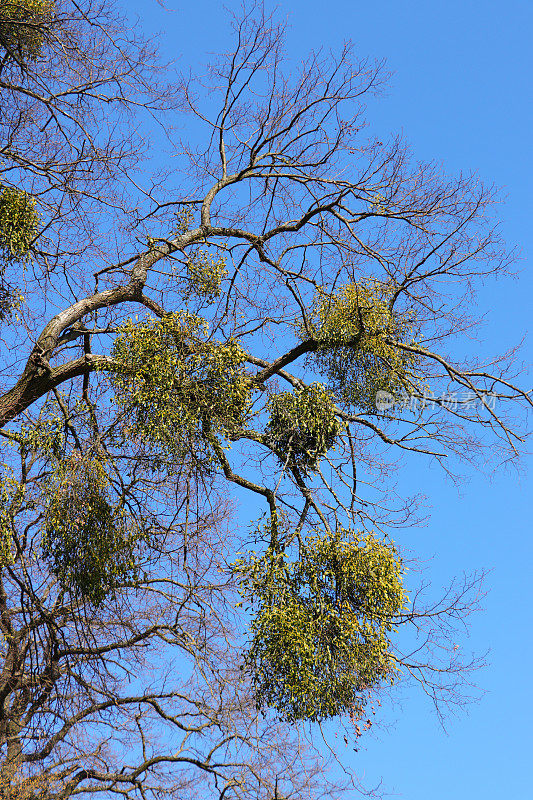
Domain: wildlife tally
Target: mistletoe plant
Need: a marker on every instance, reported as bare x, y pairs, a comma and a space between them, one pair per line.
302, 426
177, 389
11, 494
19, 222
23, 24
358, 329
85, 539
205, 274
321, 636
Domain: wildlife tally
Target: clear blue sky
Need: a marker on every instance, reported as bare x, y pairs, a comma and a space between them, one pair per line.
461, 94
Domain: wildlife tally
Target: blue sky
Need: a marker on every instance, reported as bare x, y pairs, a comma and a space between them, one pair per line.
461, 95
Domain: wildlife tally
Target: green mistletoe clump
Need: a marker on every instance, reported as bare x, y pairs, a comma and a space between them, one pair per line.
321, 635
85, 538
359, 336
23, 25
19, 223
302, 425
205, 273
11, 496
179, 390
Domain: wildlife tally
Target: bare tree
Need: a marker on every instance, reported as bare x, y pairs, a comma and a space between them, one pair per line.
283, 318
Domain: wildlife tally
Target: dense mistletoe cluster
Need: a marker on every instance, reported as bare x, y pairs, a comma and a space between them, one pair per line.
178, 389
85, 538
19, 222
23, 26
357, 328
322, 624
302, 425
10, 496
205, 274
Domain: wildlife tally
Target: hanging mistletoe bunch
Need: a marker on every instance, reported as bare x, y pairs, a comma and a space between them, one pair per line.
11, 495
302, 426
178, 389
321, 633
85, 538
19, 222
23, 25
358, 334
205, 273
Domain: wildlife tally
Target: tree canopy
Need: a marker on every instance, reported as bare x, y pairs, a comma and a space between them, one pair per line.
207, 338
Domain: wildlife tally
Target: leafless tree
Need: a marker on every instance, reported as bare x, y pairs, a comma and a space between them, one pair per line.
143, 695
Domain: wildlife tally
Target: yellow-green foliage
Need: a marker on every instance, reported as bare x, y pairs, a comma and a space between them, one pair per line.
85, 539
23, 26
177, 388
321, 634
19, 222
11, 493
302, 425
205, 273
10, 299
45, 437
184, 220
353, 327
